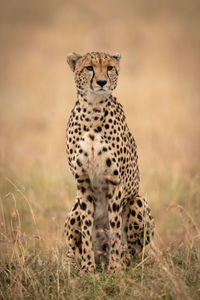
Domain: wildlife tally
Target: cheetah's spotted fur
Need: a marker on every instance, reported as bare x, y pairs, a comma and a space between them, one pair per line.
109, 221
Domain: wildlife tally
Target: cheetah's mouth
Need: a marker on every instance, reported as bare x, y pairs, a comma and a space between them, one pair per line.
102, 90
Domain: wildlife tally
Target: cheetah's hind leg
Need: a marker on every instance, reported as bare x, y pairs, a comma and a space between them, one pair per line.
73, 233
138, 224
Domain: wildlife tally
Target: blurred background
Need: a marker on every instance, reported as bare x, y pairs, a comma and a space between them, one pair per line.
158, 86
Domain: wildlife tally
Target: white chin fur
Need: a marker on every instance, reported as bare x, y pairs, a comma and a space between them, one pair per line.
100, 91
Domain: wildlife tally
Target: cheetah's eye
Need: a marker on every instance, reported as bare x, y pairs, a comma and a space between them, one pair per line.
109, 68
89, 68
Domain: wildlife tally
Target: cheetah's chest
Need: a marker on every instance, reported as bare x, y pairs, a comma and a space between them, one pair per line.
93, 165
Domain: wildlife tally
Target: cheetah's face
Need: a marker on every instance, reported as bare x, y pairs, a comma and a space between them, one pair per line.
95, 72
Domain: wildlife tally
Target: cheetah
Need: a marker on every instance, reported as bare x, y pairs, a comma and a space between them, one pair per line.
110, 222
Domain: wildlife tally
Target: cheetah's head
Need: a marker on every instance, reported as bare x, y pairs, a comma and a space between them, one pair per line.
95, 72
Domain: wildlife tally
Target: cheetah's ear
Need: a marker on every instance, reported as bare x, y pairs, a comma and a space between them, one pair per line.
117, 56
72, 60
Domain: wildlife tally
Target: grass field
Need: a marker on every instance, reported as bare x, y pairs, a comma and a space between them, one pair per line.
159, 89
33, 261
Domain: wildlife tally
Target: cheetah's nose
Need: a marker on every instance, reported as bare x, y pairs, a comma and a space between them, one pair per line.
101, 82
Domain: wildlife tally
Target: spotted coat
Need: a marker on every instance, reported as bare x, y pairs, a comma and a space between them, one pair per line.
109, 222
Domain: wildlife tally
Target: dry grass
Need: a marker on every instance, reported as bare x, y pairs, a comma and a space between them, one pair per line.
33, 261
159, 89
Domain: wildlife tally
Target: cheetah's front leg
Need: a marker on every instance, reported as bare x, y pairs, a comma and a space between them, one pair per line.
115, 224
73, 233
87, 221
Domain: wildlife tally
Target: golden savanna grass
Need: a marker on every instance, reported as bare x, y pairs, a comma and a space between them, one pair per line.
159, 89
